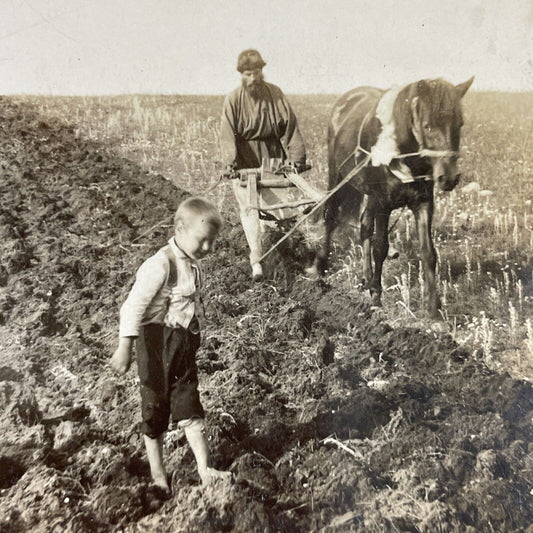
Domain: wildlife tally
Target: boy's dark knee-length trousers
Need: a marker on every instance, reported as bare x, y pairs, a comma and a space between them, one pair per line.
166, 360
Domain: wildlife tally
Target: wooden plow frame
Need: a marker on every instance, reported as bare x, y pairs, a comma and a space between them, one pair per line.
255, 179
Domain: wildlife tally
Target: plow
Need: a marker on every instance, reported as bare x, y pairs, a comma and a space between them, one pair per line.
277, 191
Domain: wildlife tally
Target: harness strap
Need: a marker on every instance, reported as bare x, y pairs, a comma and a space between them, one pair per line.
358, 148
422, 152
214, 185
426, 152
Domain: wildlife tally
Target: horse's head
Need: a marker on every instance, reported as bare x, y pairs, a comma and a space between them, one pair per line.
435, 122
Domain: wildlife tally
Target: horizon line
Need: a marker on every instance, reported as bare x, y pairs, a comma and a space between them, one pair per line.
129, 94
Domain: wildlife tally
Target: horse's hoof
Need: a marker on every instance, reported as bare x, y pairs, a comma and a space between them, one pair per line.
439, 326
363, 285
376, 300
434, 312
312, 272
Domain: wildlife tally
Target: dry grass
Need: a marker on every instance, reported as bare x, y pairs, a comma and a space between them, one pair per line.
483, 229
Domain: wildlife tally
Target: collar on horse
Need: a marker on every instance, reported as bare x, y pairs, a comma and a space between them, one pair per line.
386, 152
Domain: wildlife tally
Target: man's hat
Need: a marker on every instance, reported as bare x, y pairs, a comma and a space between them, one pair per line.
249, 60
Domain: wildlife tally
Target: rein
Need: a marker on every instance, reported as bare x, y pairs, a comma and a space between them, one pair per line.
339, 185
426, 152
422, 152
214, 185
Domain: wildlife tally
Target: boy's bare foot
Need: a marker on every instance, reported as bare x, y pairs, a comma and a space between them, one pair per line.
160, 488
212, 474
161, 482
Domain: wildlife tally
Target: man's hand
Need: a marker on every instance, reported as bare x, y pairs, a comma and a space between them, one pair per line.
301, 167
121, 360
229, 171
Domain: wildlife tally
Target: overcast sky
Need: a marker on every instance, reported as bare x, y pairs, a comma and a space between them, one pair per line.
310, 46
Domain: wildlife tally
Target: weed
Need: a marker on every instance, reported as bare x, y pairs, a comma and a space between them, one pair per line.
482, 229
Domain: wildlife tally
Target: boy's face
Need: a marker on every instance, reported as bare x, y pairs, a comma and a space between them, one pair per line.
196, 237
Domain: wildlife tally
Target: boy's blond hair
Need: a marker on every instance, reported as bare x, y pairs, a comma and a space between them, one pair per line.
196, 206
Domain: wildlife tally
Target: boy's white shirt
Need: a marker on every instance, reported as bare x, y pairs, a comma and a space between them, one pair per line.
152, 300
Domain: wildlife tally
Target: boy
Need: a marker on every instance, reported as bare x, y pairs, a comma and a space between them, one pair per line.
162, 312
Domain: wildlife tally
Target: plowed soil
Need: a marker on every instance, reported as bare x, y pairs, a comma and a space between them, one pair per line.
329, 418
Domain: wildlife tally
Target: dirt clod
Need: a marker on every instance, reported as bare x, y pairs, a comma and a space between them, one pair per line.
329, 417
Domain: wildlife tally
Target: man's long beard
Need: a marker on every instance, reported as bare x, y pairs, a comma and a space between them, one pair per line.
254, 89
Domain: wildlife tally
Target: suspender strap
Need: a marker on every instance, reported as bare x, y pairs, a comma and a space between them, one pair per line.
172, 267
173, 279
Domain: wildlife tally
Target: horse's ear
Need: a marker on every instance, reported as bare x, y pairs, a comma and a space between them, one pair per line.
463, 87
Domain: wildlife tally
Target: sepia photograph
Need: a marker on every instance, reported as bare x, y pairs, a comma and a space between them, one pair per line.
266, 266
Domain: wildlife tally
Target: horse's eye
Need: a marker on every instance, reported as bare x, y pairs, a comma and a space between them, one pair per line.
427, 127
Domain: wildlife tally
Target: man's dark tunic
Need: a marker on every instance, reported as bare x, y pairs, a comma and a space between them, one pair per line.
259, 127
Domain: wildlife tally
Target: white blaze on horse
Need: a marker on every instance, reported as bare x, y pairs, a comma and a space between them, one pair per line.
390, 148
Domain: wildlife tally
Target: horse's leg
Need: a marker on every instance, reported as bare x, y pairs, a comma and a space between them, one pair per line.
320, 264
380, 247
366, 232
424, 218
331, 212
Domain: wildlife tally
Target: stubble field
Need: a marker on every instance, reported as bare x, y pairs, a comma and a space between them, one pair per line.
331, 415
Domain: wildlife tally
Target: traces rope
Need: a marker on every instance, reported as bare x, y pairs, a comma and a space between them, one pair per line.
330, 193
422, 152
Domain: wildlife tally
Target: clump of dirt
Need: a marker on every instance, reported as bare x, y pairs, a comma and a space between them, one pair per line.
328, 417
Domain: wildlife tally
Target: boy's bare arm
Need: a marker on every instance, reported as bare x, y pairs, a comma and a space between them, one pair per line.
150, 277
121, 360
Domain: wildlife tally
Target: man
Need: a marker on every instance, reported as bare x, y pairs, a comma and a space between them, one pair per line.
258, 124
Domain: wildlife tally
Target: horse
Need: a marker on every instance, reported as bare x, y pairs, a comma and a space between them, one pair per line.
386, 150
